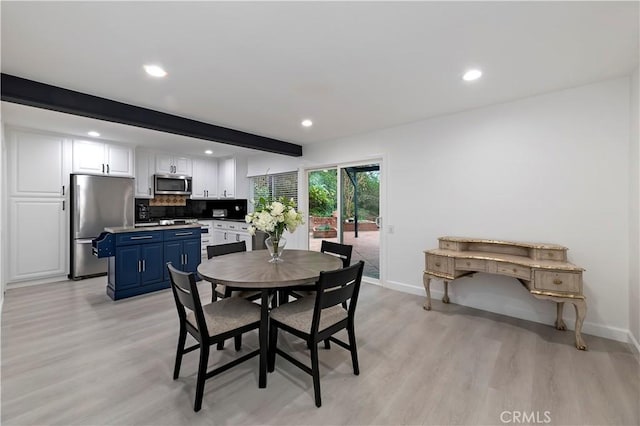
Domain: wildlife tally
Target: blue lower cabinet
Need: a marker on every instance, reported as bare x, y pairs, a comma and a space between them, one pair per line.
152, 264
183, 255
192, 253
139, 263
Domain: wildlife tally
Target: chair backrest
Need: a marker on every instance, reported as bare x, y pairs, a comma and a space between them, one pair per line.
337, 287
343, 251
221, 249
185, 294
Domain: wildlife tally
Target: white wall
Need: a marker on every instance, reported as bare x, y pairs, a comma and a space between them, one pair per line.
551, 168
634, 224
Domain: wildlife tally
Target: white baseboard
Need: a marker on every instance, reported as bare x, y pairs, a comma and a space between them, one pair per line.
19, 284
634, 343
595, 329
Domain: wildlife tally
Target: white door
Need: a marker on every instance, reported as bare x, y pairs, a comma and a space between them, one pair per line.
227, 178
38, 238
144, 177
246, 238
89, 157
37, 165
183, 166
219, 236
119, 160
164, 164
199, 182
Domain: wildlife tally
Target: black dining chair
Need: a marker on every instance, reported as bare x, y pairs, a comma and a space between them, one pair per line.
221, 291
341, 251
317, 319
209, 324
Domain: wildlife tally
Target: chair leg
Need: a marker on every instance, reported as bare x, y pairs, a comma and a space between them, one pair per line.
182, 337
354, 349
327, 344
214, 296
220, 345
315, 373
273, 341
202, 374
238, 342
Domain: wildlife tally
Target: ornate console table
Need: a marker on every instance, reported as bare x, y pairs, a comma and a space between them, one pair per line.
541, 268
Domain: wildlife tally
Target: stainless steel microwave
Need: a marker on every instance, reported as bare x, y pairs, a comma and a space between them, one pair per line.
172, 184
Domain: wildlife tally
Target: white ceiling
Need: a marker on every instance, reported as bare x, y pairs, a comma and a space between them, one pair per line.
351, 67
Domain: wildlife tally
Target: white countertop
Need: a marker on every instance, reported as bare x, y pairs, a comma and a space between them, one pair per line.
123, 229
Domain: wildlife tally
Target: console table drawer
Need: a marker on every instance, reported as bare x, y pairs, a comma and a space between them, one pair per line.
513, 270
565, 282
479, 265
442, 264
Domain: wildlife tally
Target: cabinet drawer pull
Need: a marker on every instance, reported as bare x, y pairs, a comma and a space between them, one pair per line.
179, 234
468, 263
515, 270
437, 263
146, 237
144, 266
557, 281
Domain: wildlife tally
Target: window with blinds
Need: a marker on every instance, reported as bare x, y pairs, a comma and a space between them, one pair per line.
272, 187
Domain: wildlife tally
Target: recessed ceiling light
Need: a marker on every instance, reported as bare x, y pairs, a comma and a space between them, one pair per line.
155, 70
472, 75
93, 133
208, 152
307, 123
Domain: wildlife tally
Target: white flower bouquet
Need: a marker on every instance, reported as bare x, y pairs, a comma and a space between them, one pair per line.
273, 218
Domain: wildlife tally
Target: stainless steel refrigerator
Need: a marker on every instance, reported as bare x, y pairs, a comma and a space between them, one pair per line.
96, 202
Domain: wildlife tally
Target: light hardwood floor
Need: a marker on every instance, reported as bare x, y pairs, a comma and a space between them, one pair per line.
71, 356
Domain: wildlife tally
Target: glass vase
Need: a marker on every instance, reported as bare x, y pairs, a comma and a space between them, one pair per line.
275, 247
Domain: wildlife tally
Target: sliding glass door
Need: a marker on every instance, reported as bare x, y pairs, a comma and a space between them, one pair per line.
344, 206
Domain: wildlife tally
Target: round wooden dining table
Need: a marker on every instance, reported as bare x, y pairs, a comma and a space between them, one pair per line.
252, 270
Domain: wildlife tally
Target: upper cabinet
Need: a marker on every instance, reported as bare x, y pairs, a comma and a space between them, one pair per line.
144, 174
227, 177
173, 164
102, 158
205, 179
38, 164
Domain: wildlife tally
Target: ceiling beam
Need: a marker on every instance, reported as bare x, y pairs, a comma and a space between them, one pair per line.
28, 92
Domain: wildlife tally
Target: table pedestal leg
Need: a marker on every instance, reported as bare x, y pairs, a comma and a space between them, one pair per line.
263, 336
426, 281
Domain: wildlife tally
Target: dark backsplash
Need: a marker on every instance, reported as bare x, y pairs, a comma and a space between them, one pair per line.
199, 209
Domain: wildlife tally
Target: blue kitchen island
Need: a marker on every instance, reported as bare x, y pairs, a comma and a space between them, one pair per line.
138, 258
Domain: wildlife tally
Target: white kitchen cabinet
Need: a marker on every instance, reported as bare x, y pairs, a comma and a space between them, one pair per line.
227, 177
205, 179
38, 238
37, 221
144, 174
173, 164
38, 164
102, 158
225, 232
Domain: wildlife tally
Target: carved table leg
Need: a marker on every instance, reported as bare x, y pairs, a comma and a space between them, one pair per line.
426, 281
581, 311
560, 325
445, 299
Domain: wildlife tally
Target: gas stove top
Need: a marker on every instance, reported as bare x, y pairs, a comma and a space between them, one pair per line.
168, 222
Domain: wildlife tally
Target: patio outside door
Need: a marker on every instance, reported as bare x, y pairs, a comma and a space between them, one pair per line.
344, 207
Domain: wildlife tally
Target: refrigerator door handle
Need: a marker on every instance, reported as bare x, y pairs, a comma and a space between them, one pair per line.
84, 241
76, 210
